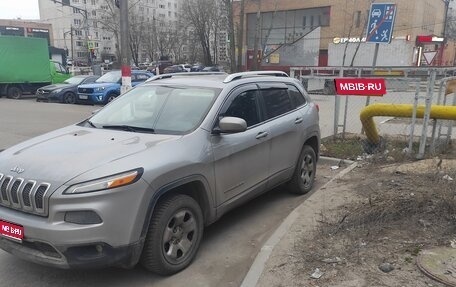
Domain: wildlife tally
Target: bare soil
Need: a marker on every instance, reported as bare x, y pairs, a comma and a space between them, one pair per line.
380, 212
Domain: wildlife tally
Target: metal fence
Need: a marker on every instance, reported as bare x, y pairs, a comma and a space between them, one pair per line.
407, 112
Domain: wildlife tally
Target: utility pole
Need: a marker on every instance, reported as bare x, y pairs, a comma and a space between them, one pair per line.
72, 50
124, 47
258, 31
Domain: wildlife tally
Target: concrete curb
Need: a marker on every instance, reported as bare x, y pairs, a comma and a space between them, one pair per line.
254, 274
334, 161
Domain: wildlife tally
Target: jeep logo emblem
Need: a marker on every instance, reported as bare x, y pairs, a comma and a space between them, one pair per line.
17, 170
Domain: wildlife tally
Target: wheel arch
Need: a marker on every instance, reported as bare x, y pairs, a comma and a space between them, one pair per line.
314, 142
195, 186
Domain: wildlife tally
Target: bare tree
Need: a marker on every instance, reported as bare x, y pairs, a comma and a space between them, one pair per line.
228, 6
200, 15
240, 29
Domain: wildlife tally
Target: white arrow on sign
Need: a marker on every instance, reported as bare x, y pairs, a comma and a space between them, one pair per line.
429, 56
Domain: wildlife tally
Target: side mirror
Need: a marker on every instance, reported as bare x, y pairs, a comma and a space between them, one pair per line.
232, 125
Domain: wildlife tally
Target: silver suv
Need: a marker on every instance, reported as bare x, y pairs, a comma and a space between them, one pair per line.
139, 180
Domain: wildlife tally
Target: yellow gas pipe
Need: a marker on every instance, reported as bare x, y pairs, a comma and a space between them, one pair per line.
401, 111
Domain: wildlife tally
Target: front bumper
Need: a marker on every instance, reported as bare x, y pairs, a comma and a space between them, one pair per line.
49, 97
57, 241
95, 255
95, 98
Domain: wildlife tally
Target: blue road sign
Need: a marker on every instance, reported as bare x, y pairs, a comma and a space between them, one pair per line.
381, 23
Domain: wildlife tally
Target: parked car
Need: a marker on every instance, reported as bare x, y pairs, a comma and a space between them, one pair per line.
107, 87
161, 66
186, 67
138, 181
213, 69
174, 69
196, 68
65, 92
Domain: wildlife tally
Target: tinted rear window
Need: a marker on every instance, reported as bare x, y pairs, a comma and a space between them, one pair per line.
277, 102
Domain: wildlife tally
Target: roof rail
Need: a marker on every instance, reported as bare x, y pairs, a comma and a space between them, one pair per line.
241, 75
183, 74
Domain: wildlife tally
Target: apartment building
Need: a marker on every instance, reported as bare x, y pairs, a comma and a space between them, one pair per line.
94, 25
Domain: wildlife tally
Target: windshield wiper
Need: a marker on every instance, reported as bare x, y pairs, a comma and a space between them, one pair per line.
91, 124
130, 128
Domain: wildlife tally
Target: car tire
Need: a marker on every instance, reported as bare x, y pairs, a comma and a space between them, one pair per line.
14, 93
174, 235
69, 98
304, 175
110, 98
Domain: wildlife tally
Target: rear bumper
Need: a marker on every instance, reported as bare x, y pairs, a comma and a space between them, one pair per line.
94, 255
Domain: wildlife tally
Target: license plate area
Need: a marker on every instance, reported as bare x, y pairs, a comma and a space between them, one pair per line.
11, 231
83, 97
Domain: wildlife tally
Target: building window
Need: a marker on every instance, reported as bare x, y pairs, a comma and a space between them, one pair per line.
79, 43
94, 2
357, 19
77, 22
169, 13
161, 6
75, 10
81, 54
94, 13
76, 1
78, 32
169, 5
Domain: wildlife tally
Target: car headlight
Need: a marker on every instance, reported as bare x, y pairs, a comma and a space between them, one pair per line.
99, 89
57, 91
104, 183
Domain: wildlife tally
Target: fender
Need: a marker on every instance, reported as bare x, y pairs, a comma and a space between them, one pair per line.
209, 214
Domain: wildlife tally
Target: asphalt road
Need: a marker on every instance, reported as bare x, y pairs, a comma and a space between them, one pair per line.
228, 248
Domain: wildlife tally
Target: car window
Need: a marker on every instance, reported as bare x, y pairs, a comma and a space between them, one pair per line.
166, 109
276, 101
245, 106
296, 97
90, 80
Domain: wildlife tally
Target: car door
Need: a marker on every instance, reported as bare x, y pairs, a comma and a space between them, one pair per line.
241, 159
285, 130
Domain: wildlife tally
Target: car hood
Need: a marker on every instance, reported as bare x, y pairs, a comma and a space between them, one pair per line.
66, 153
97, 85
56, 86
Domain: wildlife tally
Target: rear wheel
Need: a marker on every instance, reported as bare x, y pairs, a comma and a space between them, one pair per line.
304, 175
174, 235
14, 92
69, 98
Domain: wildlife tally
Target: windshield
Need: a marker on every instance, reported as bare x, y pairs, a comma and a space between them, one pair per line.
163, 109
74, 80
111, 77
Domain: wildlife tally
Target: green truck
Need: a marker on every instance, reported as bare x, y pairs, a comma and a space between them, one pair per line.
25, 66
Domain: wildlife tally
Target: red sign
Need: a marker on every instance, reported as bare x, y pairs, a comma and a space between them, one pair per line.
12, 231
360, 86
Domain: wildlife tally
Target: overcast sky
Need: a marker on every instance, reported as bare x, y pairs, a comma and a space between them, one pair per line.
24, 9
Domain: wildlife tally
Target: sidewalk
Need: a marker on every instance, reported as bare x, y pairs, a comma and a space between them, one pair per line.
278, 250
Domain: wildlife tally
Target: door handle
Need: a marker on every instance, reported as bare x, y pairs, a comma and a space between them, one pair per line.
261, 135
298, 120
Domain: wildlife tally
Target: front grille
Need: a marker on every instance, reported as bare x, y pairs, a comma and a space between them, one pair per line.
85, 90
22, 194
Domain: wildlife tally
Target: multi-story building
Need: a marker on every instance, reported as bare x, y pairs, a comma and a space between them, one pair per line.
94, 25
27, 29
313, 32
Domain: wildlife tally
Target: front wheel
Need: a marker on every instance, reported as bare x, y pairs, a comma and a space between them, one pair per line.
110, 98
174, 235
69, 98
304, 175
